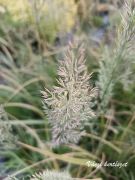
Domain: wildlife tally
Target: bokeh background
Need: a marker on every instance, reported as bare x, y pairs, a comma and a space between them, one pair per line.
34, 35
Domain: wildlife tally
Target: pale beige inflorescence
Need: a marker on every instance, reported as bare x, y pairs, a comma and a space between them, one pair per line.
117, 62
7, 139
51, 175
69, 105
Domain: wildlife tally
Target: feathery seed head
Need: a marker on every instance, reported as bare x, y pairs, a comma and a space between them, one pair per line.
68, 105
52, 175
7, 140
120, 59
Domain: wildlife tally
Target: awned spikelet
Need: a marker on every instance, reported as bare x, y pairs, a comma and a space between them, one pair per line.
69, 105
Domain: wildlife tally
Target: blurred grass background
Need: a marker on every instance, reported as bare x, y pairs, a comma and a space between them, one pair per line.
33, 37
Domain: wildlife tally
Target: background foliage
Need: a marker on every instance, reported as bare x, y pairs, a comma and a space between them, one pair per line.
33, 38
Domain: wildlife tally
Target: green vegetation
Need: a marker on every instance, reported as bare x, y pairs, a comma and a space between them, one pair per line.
58, 134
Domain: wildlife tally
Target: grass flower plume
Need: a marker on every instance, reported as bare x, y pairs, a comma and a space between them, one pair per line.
7, 139
117, 63
69, 104
50, 175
